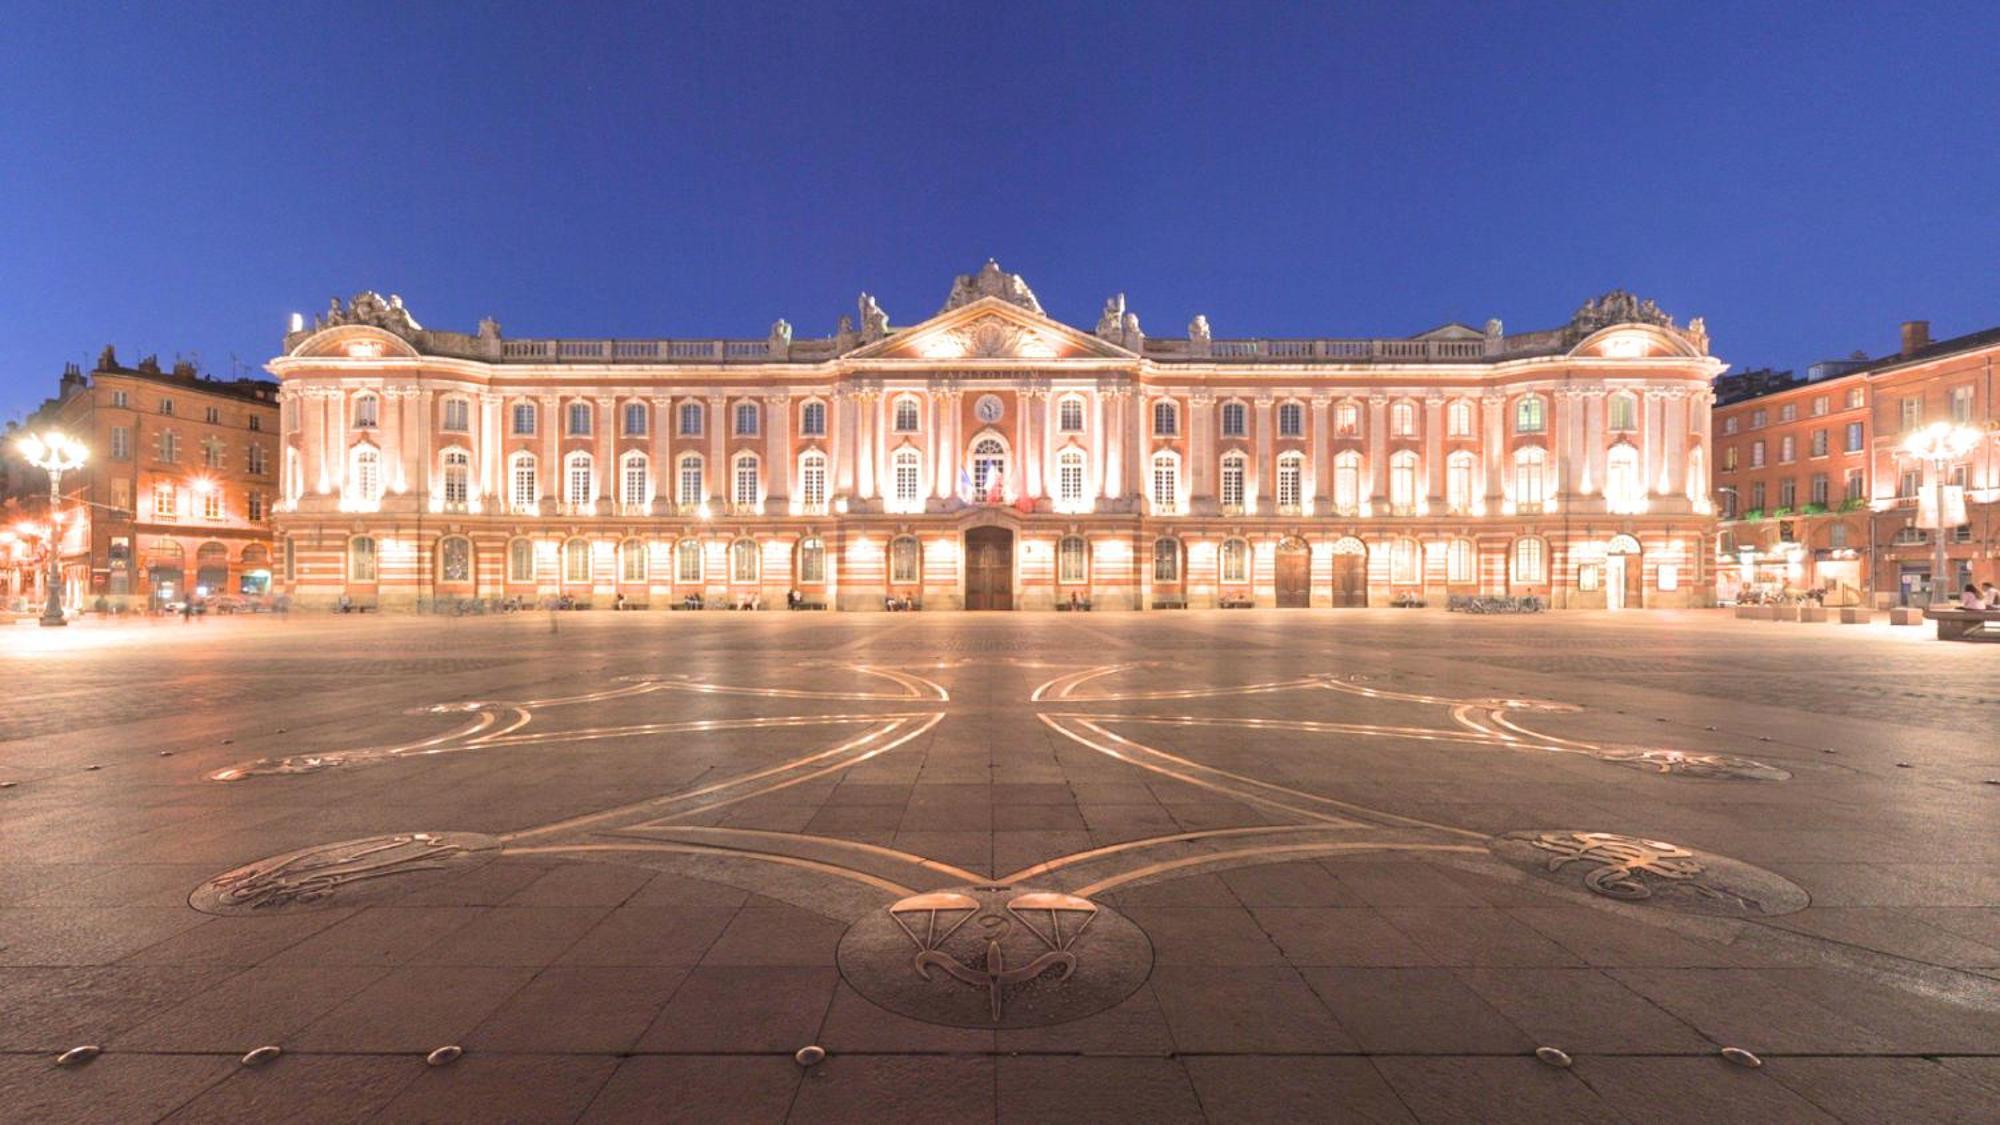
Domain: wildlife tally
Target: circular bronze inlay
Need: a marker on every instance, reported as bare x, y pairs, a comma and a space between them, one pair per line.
349, 873
995, 956
1652, 872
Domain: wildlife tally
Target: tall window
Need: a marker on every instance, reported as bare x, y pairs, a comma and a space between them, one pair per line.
690, 481
743, 561
576, 561
1291, 474
1347, 419
905, 560
745, 494
1623, 413
1406, 562
632, 481
1069, 478
746, 418
1347, 482
1234, 419
167, 407
1757, 454
579, 417
521, 475
1403, 482
1528, 478
812, 419
1458, 481
1961, 404
1787, 449
121, 444
1235, 560
1234, 468
812, 561
253, 506
170, 446
361, 559
1820, 489
906, 469
211, 452
367, 478
524, 418
521, 561
1069, 415
632, 560
367, 411
163, 501
457, 416
989, 466
211, 503
812, 481
690, 418
1072, 560
1622, 489
1403, 419
1531, 565
455, 559
1913, 413
1788, 493
1166, 419
1458, 419
1166, 483
1291, 419
1853, 443
1817, 443
687, 560
906, 416
1458, 562
1166, 560
578, 485
1530, 416
635, 418
457, 477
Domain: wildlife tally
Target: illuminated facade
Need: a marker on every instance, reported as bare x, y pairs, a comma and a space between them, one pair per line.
993, 457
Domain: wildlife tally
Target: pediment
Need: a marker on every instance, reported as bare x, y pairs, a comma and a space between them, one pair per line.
990, 328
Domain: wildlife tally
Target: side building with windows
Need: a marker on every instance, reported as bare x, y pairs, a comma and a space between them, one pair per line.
175, 499
992, 457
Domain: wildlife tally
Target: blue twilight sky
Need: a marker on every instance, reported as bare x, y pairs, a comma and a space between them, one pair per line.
178, 177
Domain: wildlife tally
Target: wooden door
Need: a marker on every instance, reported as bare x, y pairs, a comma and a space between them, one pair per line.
1294, 576
1350, 581
989, 568
1635, 582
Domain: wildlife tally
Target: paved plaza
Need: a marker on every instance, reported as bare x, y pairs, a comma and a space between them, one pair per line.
1224, 866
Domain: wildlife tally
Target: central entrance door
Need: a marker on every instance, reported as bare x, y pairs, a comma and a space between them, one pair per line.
1294, 575
989, 568
1350, 573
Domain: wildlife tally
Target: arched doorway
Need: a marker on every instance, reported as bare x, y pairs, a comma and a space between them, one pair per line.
1624, 574
989, 568
166, 571
211, 575
1294, 573
1350, 573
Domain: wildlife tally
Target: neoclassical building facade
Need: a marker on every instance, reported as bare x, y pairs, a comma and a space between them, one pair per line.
991, 457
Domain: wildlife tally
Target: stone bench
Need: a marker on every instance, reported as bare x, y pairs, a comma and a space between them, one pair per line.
1856, 615
1965, 624
1906, 615
1811, 613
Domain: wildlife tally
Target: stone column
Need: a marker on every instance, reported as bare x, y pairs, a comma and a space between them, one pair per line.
1434, 449
948, 441
1116, 439
1099, 440
864, 444
663, 456
1319, 482
549, 479
605, 452
717, 483
1596, 440
1263, 452
778, 462
311, 412
1032, 440
1493, 453
1673, 444
1198, 470
840, 440
492, 436
1377, 492
421, 450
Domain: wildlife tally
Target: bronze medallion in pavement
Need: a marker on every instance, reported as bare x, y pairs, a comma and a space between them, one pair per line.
1655, 872
349, 873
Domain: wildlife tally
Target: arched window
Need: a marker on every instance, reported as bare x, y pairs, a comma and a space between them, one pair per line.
579, 419
1166, 483
521, 484
690, 485
633, 481
524, 419
1403, 419
1291, 419
687, 560
361, 559
1459, 562
579, 480
690, 418
1458, 470
1072, 561
905, 561
1166, 418
907, 415
1069, 415
1403, 482
1623, 489
812, 480
1529, 491
1235, 419
1235, 561
366, 479
1347, 419
1291, 477
457, 416
1166, 560
745, 493
1531, 564
746, 418
576, 561
812, 561
1069, 478
812, 419
457, 478
454, 559
906, 479
1234, 469
1622, 413
989, 468
635, 419
367, 412
520, 560
1406, 562
1530, 416
632, 560
1347, 482
1458, 419
743, 561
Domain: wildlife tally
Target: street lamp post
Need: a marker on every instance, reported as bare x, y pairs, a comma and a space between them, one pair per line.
55, 454
1940, 445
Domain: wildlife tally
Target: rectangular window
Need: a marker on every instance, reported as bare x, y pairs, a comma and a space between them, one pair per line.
1913, 413
746, 418
211, 453
1232, 482
1757, 419
170, 446
634, 494
1819, 406
1855, 484
1787, 450
1909, 483
1233, 423
691, 481
1070, 481
212, 416
121, 443
457, 416
1788, 412
255, 460
1854, 437
1291, 420
1070, 416
690, 418
746, 481
1166, 419
1529, 563
256, 421
118, 398
1961, 404
579, 418
1788, 493
1819, 443
1820, 488
1853, 398
163, 501
211, 504
906, 480
1757, 495
253, 506
635, 419
812, 419
1729, 424
1756, 454
524, 485
812, 482
524, 418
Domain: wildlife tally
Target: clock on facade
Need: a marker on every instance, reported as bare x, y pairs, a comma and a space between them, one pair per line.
989, 408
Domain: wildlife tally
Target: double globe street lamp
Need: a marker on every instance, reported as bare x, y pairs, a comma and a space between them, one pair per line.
1941, 445
55, 454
